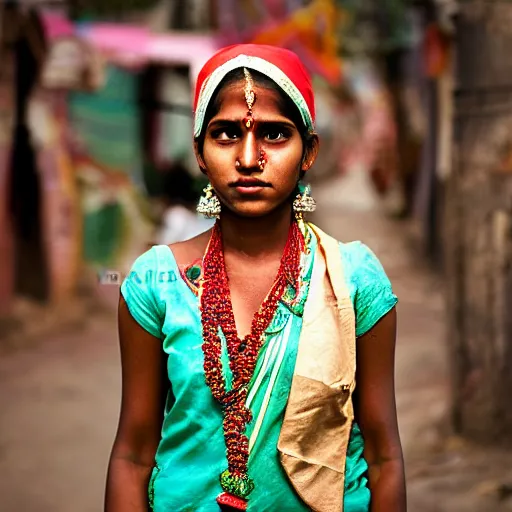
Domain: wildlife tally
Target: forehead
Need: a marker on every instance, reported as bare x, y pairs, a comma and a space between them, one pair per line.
232, 103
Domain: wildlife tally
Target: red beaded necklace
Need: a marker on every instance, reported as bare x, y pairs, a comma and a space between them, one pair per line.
217, 312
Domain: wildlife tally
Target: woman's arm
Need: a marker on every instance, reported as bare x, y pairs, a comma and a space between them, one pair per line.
376, 414
144, 391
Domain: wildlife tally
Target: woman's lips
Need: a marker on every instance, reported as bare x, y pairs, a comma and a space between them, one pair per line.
249, 186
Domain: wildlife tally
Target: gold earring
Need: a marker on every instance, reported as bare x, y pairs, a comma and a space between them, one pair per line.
209, 204
303, 202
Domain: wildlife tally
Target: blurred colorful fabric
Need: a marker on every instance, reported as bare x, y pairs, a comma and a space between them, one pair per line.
108, 162
310, 31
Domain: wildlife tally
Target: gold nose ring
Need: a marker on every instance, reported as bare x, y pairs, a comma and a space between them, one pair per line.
262, 160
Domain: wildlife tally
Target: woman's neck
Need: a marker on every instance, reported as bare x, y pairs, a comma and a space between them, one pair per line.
252, 236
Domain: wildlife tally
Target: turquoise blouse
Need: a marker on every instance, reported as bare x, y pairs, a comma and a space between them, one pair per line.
192, 453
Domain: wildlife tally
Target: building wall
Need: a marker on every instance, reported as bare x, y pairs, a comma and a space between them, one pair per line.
61, 212
6, 235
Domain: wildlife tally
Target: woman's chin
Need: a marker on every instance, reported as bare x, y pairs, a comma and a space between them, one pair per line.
254, 209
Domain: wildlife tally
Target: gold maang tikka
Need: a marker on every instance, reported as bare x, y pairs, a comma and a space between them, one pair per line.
250, 98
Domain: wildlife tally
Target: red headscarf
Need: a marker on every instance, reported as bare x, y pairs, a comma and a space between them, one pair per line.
282, 66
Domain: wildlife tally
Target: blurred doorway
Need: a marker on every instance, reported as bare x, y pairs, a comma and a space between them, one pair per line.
30, 261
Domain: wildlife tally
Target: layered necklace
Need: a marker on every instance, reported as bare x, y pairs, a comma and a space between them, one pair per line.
217, 313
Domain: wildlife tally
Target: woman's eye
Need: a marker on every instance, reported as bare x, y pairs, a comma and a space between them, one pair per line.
275, 135
225, 134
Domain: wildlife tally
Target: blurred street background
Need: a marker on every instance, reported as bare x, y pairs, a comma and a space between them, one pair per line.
414, 107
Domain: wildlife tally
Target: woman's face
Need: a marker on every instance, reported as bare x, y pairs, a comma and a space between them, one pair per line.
232, 153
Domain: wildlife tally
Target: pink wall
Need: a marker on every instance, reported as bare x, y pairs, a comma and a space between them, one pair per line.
61, 215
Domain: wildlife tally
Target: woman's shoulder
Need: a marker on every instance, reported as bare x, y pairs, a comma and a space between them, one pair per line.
188, 252
361, 266
154, 258
161, 256
370, 287
357, 256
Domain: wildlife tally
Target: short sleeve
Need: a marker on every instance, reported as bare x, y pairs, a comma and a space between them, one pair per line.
374, 296
139, 292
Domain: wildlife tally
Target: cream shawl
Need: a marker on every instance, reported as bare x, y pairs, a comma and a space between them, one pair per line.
318, 419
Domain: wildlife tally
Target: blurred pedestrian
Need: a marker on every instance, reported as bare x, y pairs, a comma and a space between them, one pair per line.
239, 346
180, 221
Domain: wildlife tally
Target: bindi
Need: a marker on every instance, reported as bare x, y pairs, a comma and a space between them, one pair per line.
250, 99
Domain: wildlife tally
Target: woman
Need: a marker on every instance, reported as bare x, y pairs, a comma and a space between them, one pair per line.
238, 347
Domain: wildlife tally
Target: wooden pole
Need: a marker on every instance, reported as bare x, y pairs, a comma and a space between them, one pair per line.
478, 241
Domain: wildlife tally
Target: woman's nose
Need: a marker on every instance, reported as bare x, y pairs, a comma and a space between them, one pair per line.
249, 156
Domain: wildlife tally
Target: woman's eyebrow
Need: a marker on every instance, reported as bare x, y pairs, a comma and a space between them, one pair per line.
224, 123
276, 122
280, 121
